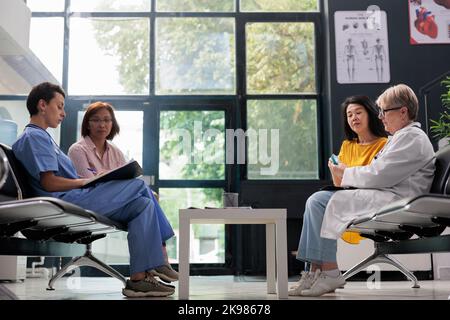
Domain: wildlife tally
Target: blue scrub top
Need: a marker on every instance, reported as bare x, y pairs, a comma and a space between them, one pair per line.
146, 222
38, 152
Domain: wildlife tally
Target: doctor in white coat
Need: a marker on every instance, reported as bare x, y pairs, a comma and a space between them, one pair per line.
403, 168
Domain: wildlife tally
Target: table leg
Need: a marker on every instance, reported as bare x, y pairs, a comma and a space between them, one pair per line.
183, 263
270, 257
282, 270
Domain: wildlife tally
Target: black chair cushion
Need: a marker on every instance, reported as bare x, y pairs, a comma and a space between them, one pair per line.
442, 173
9, 189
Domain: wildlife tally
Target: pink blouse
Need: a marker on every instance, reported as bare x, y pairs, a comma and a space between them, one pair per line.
84, 155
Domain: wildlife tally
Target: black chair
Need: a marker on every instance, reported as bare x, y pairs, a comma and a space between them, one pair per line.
425, 216
50, 219
3, 168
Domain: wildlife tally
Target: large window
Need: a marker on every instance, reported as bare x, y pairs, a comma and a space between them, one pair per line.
209, 240
280, 58
284, 143
109, 56
279, 5
45, 5
195, 5
195, 56
48, 49
192, 145
109, 6
207, 94
282, 111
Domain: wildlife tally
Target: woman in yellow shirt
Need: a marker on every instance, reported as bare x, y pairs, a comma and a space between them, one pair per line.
365, 137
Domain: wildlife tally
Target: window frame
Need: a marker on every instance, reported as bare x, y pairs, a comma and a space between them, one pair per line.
316, 19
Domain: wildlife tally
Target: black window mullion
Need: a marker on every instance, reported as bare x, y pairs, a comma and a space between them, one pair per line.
151, 142
320, 67
66, 46
152, 53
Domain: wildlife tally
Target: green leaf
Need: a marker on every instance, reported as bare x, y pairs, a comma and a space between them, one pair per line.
441, 127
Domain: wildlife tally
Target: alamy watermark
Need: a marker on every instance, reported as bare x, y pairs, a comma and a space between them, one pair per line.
374, 280
207, 150
374, 17
73, 281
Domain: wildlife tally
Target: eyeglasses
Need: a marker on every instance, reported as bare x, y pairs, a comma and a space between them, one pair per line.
382, 112
98, 121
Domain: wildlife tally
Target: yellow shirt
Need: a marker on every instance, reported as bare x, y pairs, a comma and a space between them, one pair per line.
353, 154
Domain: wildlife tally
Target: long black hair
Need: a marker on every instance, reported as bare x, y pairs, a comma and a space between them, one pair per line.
375, 124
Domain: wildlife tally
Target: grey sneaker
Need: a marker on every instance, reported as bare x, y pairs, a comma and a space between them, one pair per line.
149, 287
165, 273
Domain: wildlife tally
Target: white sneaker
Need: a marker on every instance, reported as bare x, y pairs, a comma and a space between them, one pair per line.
324, 284
305, 282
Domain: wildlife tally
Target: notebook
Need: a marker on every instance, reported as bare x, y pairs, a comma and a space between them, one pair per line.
129, 170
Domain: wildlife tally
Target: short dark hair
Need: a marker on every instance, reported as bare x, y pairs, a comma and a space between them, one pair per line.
45, 91
92, 109
375, 124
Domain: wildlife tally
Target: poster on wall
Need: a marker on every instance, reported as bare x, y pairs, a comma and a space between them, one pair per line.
429, 21
362, 52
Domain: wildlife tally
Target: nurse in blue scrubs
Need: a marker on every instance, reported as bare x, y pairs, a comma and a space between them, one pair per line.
127, 201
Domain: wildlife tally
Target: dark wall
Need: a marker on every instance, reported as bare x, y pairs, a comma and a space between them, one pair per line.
414, 65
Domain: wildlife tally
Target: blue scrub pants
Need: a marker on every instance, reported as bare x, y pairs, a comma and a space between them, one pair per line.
312, 248
132, 203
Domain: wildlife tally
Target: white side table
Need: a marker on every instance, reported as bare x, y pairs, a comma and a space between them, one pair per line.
276, 242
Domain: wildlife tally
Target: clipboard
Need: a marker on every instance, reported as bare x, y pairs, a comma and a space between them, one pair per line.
129, 170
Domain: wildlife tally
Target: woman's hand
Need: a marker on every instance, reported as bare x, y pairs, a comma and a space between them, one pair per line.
102, 172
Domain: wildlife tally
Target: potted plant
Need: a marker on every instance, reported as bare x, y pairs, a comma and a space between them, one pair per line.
441, 128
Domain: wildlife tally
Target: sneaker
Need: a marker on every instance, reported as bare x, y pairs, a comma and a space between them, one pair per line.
165, 273
324, 284
148, 287
305, 282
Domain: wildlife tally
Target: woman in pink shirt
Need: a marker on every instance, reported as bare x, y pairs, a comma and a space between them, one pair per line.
93, 154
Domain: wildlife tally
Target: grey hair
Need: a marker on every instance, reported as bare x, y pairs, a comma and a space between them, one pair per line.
401, 96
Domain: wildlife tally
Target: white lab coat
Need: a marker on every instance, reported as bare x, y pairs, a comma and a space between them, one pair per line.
403, 168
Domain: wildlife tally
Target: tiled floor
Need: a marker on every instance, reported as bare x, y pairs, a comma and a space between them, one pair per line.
224, 288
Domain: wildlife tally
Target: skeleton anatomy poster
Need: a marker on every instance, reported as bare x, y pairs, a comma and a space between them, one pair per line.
429, 21
362, 53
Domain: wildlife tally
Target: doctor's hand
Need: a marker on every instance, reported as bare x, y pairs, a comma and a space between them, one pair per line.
337, 171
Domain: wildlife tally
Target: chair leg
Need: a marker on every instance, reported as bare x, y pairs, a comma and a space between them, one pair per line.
86, 260
382, 258
390, 260
74, 263
355, 269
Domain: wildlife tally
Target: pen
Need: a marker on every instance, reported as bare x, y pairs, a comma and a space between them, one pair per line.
92, 170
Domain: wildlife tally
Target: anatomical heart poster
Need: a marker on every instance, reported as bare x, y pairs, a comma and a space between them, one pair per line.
429, 21
362, 51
